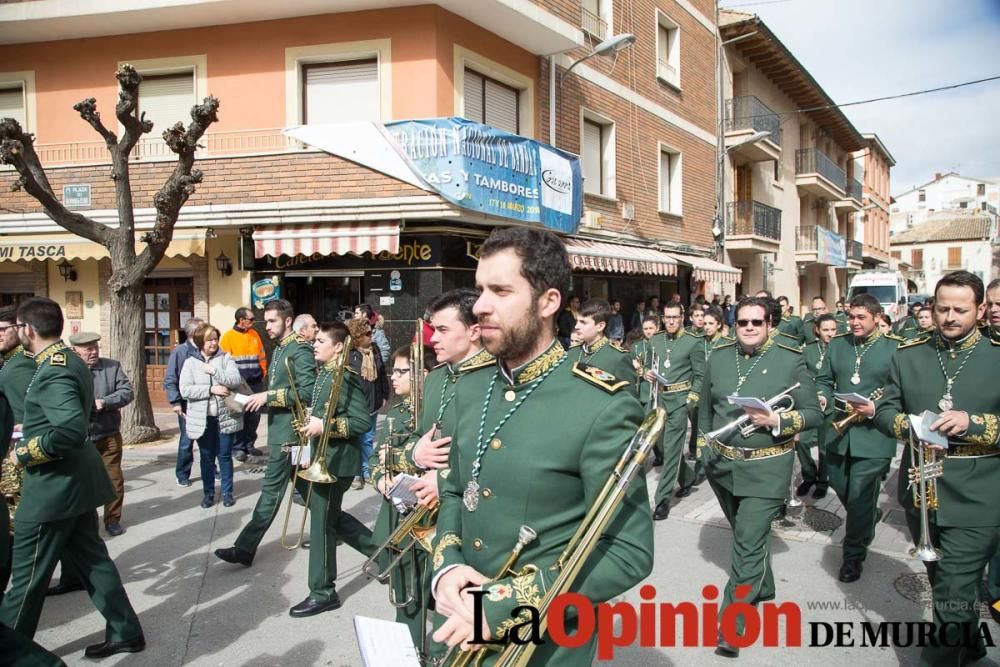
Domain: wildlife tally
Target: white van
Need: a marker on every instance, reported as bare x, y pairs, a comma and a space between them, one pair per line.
889, 287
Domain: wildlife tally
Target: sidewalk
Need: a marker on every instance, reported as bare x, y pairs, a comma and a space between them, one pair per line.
197, 610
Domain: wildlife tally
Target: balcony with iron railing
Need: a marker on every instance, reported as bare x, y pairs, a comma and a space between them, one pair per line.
752, 227
817, 174
747, 116
855, 190
855, 252
593, 24
818, 245
853, 198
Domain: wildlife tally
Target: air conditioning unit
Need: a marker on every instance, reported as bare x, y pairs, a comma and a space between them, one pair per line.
591, 220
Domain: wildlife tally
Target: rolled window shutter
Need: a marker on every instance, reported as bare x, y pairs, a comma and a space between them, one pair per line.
592, 157
12, 104
472, 92
664, 181
166, 99
341, 92
501, 106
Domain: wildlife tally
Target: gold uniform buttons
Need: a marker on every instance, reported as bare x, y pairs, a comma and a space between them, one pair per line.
477, 544
487, 493
495, 443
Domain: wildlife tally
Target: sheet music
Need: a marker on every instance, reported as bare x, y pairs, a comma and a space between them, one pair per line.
402, 490
385, 643
241, 398
751, 402
921, 426
302, 456
851, 397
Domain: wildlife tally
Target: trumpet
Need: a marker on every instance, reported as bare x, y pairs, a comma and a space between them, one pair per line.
417, 374
456, 657
923, 482
743, 423
854, 417
317, 472
654, 386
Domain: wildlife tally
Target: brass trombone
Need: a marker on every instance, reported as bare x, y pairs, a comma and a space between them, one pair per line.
923, 481
417, 375
317, 472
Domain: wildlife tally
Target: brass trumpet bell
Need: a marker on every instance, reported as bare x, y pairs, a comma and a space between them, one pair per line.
317, 473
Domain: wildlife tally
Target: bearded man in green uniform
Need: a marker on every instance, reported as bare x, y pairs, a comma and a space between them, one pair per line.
507, 472
681, 359
64, 481
992, 331
750, 473
293, 352
857, 458
816, 357
595, 348
952, 374
18, 366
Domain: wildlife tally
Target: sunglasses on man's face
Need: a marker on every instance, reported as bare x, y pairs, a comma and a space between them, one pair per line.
747, 323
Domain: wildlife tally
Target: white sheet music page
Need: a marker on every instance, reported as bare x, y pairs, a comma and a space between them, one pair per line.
385, 643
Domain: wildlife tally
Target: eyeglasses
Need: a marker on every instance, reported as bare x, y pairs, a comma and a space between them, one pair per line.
21, 325
400, 372
746, 323
9, 326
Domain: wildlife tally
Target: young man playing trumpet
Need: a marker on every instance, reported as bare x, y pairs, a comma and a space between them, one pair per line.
858, 455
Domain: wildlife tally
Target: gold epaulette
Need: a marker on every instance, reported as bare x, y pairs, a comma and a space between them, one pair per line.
729, 342
796, 350
58, 359
618, 346
782, 333
599, 377
891, 336
300, 339
913, 342
481, 359
575, 345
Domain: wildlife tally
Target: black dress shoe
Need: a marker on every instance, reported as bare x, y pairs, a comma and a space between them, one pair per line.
662, 510
850, 571
725, 649
684, 491
114, 529
820, 490
61, 588
310, 607
803, 488
657, 461
235, 555
104, 649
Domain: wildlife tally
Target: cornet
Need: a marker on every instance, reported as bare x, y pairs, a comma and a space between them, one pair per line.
743, 423
923, 482
854, 417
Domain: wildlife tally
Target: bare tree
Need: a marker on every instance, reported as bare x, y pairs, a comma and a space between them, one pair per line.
128, 268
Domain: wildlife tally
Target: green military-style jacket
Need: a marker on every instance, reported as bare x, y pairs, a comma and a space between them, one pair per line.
15, 375
299, 355
604, 354
531, 475
809, 327
641, 351
710, 343
680, 360
791, 325
64, 475
861, 439
392, 444
815, 356
770, 370
350, 419
967, 490
915, 333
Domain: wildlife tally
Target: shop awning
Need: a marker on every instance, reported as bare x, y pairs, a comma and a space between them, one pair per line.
373, 237
711, 271
70, 247
589, 255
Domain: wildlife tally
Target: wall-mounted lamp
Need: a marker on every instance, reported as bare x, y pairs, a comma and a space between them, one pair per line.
67, 271
210, 233
224, 264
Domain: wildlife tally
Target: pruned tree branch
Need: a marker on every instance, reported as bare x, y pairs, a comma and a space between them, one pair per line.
17, 149
88, 111
128, 101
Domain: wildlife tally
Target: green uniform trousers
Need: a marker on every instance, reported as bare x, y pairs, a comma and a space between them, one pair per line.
276, 475
675, 468
993, 578
955, 586
699, 466
18, 651
409, 578
37, 548
857, 482
750, 560
814, 437
328, 523
6, 548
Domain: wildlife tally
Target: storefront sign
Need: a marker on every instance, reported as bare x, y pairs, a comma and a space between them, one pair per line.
76, 196
32, 251
395, 282
614, 264
264, 291
487, 170
831, 249
414, 252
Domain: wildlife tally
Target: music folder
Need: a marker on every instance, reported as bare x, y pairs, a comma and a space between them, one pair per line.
385, 643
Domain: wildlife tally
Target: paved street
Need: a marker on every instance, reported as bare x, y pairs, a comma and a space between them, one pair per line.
197, 610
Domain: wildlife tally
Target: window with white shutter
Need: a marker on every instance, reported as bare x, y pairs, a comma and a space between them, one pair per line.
491, 102
670, 181
665, 172
593, 157
167, 99
341, 92
12, 103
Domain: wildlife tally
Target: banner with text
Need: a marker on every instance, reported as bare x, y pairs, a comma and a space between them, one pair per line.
485, 169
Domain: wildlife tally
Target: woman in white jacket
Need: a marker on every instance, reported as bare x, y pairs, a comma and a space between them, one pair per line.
206, 379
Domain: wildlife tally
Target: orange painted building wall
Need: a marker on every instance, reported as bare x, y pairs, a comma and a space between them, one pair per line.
246, 65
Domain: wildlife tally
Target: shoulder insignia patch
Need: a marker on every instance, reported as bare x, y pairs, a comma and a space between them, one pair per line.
894, 337
618, 346
58, 359
481, 359
913, 342
725, 342
790, 348
300, 339
599, 377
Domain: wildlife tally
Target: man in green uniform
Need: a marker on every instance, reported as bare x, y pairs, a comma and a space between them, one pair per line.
295, 353
815, 354
857, 458
681, 358
750, 473
505, 473
952, 373
790, 324
641, 354
992, 331
712, 321
596, 349
342, 424
18, 367
64, 481
818, 309
924, 327
697, 317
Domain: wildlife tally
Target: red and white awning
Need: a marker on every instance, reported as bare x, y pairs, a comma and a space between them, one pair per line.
327, 239
586, 255
711, 271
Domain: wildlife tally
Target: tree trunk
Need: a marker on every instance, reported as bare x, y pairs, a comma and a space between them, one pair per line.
127, 333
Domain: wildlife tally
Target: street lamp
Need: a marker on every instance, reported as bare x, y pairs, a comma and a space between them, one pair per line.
608, 46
